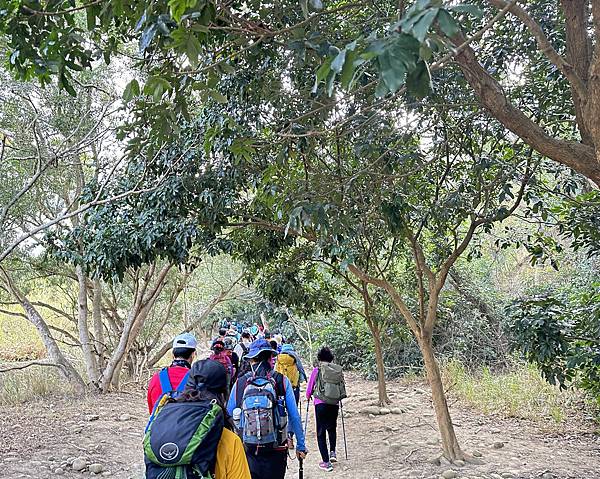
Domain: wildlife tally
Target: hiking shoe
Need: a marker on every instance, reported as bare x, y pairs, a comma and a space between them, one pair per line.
333, 457
326, 466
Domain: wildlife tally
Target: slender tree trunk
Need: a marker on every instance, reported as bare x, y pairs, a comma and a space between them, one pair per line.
452, 450
82, 325
98, 326
55, 355
381, 384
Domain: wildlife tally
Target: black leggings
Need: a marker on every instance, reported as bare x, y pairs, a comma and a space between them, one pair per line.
326, 415
267, 464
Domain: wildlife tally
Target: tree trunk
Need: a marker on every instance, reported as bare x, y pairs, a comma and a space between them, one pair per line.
381, 385
82, 325
55, 355
98, 326
452, 450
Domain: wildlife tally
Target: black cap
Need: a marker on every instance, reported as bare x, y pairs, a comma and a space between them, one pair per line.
209, 375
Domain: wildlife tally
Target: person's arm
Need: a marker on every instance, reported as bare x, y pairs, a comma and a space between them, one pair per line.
150, 397
293, 415
239, 464
311, 383
232, 402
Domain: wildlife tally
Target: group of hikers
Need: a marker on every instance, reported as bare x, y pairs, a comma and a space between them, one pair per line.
235, 414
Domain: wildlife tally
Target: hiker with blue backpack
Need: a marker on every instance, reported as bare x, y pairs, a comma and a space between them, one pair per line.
263, 407
327, 386
191, 436
174, 377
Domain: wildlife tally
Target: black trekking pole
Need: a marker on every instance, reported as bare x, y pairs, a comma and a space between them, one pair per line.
301, 468
344, 430
306, 417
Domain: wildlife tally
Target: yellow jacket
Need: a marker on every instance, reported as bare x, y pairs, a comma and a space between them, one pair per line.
231, 458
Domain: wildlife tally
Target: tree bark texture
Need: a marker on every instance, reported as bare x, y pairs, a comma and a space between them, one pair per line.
98, 326
452, 450
89, 359
381, 384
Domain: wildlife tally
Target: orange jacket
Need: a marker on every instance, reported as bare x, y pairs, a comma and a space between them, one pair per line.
231, 458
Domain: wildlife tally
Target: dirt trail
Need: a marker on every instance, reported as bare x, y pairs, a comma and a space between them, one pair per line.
38, 437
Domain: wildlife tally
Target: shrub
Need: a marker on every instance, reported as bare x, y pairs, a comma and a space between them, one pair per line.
519, 391
30, 384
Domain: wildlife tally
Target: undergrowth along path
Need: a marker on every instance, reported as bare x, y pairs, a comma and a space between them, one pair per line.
42, 439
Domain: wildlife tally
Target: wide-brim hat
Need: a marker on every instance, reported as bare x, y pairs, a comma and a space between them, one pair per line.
258, 346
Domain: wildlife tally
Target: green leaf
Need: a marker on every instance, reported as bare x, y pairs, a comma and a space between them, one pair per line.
69, 88
418, 81
322, 73
419, 31
218, 97
131, 91
177, 8
348, 69
192, 49
338, 62
447, 23
398, 59
468, 8
425, 52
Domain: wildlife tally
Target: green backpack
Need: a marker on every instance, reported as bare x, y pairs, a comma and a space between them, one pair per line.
330, 386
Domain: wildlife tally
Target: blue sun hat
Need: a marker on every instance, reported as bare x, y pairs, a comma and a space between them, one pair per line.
258, 346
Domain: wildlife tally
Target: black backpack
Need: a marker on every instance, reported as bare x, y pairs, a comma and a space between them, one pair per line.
181, 441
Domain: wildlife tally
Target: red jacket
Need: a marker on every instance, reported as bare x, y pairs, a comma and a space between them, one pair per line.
176, 374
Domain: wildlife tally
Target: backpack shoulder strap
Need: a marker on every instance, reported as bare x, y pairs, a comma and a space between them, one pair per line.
279, 383
182, 384
240, 385
165, 381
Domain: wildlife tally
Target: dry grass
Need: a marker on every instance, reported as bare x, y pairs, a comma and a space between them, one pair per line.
30, 384
520, 392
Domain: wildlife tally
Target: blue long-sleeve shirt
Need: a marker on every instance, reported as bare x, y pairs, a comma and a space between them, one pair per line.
294, 421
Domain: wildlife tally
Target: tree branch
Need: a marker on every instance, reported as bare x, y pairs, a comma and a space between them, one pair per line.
545, 46
575, 155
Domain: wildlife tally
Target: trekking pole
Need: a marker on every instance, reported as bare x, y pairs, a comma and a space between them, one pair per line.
344, 430
306, 417
301, 468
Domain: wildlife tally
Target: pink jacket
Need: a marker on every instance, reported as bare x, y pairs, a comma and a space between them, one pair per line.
311, 386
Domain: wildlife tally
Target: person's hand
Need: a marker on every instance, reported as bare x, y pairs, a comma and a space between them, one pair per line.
301, 454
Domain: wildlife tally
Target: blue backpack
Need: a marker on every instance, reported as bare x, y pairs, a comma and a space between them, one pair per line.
264, 417
167, 392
